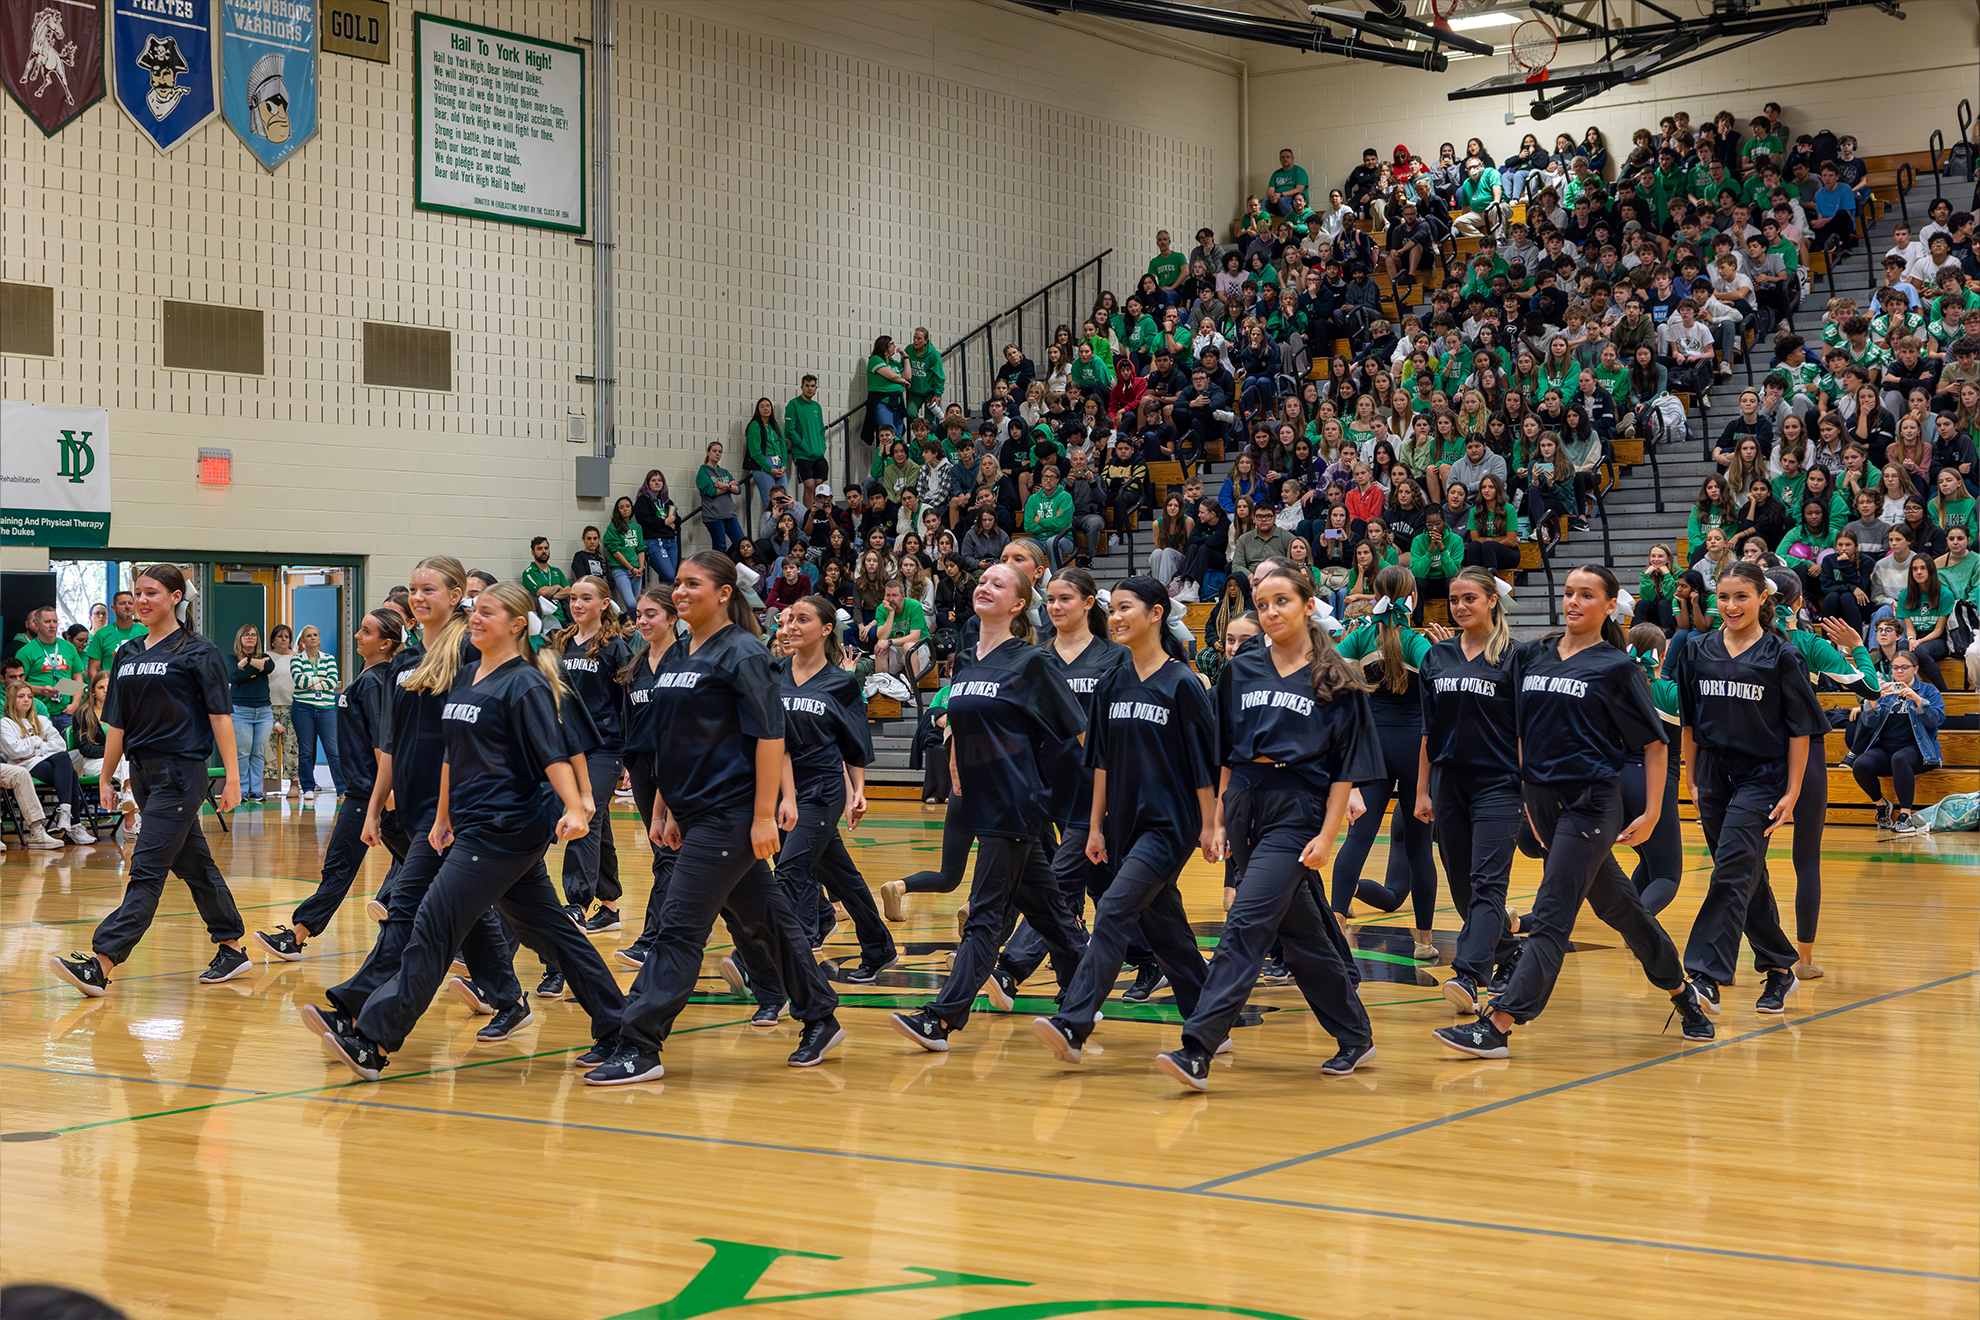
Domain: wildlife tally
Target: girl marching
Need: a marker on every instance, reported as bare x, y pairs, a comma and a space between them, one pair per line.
591, 653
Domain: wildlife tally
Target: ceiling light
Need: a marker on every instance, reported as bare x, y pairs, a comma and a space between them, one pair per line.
1471, 22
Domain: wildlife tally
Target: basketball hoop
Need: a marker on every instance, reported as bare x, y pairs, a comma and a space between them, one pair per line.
1534, 45
1443, 11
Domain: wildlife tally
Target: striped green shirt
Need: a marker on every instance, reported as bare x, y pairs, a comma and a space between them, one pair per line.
316, 680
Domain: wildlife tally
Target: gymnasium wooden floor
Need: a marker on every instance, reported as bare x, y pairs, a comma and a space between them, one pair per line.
187, 1151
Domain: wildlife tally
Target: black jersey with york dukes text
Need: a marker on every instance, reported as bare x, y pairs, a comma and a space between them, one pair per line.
824, 722
1010, 717
639, 702
1263, 715
164, 697
363, 707
592, 675
1581, 718
1751, 704
708, 708
414, 739
502, 735
1468, 711
1156, 738
1067, 773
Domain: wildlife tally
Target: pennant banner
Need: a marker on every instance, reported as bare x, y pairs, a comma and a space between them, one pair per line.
268, 74
54, 475
51, 55
162, 65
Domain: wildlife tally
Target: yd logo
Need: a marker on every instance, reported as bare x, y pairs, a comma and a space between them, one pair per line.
78, 459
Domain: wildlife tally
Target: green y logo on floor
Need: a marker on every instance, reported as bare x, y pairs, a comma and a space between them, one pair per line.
725, 1282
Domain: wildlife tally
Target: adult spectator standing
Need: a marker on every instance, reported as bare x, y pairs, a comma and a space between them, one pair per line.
625, 552
766, 455
1285, 192
282, 700
546, 579
886, 386
103, 643
718, 487
254, 716
926, 379
315, 679
804, 432
48, 660
589, 561
660, 522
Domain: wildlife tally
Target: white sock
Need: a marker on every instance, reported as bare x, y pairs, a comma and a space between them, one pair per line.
62, 817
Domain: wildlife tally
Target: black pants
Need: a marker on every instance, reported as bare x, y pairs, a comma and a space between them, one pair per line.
1659, 858
1811, 817
1843, 605
1269, 817
1900, 764
1578, 825
341, 861
59, 773
718, 872
1411, 871
472, 877
1140, 904
1078, 878
1493, 555
815, 854
956, 841
1010, 874
591, 864
1661, 611
397, 842
1735, 793
751, 955
1477, 832
484, 945
170, 794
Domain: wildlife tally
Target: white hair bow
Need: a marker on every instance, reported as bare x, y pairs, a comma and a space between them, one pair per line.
536, 625
1503, 587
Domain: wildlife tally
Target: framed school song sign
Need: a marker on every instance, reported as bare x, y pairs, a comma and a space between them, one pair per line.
54, 475
268, 74
51, 55
501, 129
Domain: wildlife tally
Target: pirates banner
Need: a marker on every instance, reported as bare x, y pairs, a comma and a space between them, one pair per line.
51, 55
162, 66
268, 74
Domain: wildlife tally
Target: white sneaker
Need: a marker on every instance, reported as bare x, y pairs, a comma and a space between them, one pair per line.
309, 795
62, 819
80, 834
1224, 415
39, 837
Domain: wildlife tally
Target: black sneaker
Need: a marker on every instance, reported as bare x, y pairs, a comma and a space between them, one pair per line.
732, 973
470, 993
1147, 981
1708, 993
1502, 971
355, 1053
603, 922
1001, 989
576, 913
600, 1051
1056, 1035
1274, 972
1349, 1058
868, 973
1773, 998
923, 1028
84, 972
228, 963
626, 1066
507, 1022
766, 1017
320, 1022
1462, 991
634, 953
281, 942
1689, 1005
1189, 1066
818, 945
551, 986
1478, 1038
1886, 815
816, 1041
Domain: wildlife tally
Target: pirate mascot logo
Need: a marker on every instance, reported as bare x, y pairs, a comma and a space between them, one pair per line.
163, 55
161, 59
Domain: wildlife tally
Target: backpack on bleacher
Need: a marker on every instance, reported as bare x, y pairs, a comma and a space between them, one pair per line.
1825, 147
1959, 162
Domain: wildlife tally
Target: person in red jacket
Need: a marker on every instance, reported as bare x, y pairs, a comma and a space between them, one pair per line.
1366, 499
1128, 388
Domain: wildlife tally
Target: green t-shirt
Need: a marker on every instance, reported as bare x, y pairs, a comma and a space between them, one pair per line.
1962, 580
1048, 514
1284, 181
1770, 145
1091, 375
1614, 382
877, 384
1925, 615
1426, 563
913, 618
804, 426
538, 576
1477, 193
1167, 267
1957, 513
1788, 489
103, 643
47, 663
628, 543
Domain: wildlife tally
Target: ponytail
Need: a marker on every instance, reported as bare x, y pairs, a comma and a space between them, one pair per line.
436, 670
1082, 581
389, 626
1331, 672
1612, 632
1155, 597
723, 569
1397, 584
1501, 636
519, 602
611, 624
828, 614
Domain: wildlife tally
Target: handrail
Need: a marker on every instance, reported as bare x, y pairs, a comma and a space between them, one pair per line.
1907, 178
1935, 148
960, 351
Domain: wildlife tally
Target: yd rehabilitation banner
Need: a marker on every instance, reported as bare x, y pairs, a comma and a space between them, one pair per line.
54, 475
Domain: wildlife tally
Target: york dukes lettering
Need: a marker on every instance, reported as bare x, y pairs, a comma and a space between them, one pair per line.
465, 711
1477, 687
684, 680
976, 689
1276, 700
1723, 687
579, 662
147, 668
1083, 686
1138, 710
1572, 687
807, 705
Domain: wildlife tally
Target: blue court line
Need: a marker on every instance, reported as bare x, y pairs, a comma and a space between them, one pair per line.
1558, 1089
1396, 1215
113, 1077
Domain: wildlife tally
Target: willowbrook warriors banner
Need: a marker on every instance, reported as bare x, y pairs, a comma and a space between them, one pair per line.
54, 475
51, 57
162, 65
268, 74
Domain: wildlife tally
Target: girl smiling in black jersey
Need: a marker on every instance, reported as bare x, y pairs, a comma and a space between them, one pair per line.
1294, 736
591, 652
